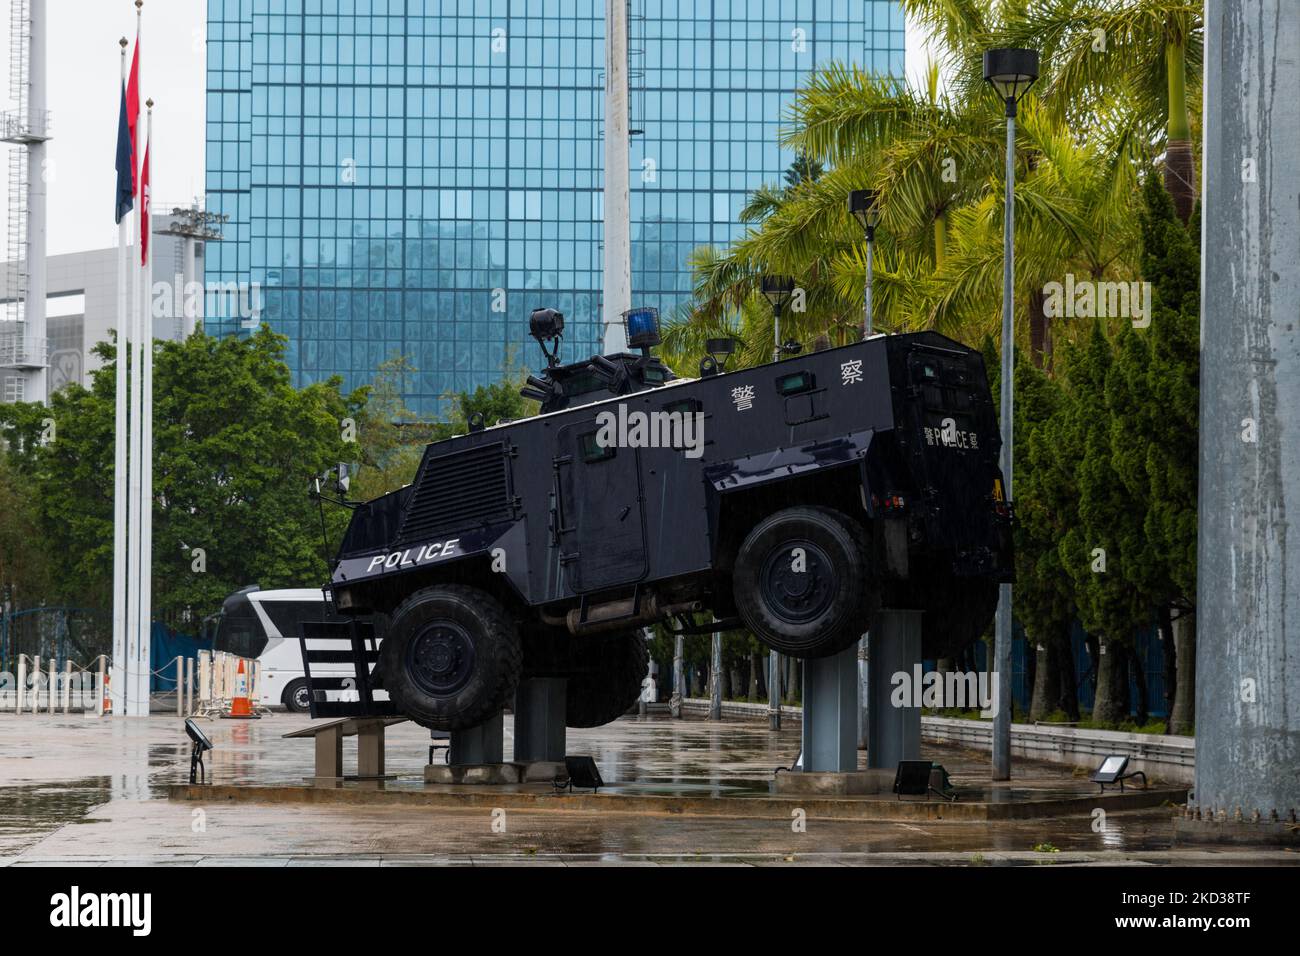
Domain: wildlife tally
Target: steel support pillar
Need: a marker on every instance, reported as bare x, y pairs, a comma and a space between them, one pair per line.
539, 719
830, 712
893, 647
479, 745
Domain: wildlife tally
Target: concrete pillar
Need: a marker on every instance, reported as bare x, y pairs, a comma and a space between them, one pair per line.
894, 646
1248, 591
539, 719
370, 751
617, 291
191, 306
830, 712
479, 745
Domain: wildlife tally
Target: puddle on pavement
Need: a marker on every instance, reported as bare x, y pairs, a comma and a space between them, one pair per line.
28, 813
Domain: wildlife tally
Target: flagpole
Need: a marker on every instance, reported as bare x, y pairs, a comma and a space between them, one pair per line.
146, 442
131, 685
118, 675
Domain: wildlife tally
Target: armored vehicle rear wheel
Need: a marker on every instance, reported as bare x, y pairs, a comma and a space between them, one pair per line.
803, 581
450, 658
604, 671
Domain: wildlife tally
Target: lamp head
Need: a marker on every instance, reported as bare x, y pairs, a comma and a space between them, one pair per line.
864, 206
1011, 71
777, 290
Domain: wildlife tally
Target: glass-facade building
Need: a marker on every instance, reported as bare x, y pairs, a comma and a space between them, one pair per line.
413, 177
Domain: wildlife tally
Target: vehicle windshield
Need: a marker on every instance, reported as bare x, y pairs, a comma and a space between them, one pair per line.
238, 629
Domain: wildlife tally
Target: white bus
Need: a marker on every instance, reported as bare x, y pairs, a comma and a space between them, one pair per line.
263, 626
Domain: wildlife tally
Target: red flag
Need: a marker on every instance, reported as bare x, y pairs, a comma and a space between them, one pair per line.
146, 209
133, 115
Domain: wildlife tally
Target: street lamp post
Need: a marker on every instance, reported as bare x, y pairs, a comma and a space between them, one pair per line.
864, 206
777, 290
1010, 72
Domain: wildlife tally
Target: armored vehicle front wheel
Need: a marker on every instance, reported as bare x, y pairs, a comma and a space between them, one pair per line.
451, 657
803, 582
604, 671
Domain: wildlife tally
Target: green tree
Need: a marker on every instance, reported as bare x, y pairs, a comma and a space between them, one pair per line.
1154, 446
1043, 598
24, 558
235, 449
1103, 552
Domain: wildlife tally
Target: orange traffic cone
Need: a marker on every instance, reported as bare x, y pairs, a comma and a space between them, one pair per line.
240, 705
108, 697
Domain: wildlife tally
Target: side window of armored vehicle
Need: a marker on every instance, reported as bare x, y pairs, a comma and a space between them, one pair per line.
686, 406
796, 383
592, 450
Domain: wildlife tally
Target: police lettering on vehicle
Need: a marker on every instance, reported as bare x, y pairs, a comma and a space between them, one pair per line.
403, 559
949, 435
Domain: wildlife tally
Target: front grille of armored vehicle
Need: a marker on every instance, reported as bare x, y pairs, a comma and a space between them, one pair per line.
466, 489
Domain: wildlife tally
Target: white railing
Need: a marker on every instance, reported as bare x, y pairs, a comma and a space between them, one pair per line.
23, 351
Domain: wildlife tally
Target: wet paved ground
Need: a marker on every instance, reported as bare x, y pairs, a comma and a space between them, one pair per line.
93, 792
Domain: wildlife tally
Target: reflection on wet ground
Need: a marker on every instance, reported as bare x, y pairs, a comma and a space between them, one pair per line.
110, 777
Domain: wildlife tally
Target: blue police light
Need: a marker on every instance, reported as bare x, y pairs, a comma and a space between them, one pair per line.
642, 327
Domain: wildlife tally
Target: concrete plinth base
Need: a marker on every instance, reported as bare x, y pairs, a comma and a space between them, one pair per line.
814, 783
533, 771
893, 646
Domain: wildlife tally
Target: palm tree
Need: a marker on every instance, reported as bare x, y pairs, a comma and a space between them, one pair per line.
1151, 50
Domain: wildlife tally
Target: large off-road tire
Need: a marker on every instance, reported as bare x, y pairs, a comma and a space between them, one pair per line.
451, 657
604, 671
803, 581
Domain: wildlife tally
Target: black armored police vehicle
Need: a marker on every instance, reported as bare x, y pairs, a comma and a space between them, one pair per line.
792, 499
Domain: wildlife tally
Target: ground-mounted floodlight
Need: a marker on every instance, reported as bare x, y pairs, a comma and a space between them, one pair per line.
1112, 770
912, 779
864, 206
1011, 72
201, 745
580, 772
778, 290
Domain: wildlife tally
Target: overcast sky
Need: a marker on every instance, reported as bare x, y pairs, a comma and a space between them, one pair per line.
84, 93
